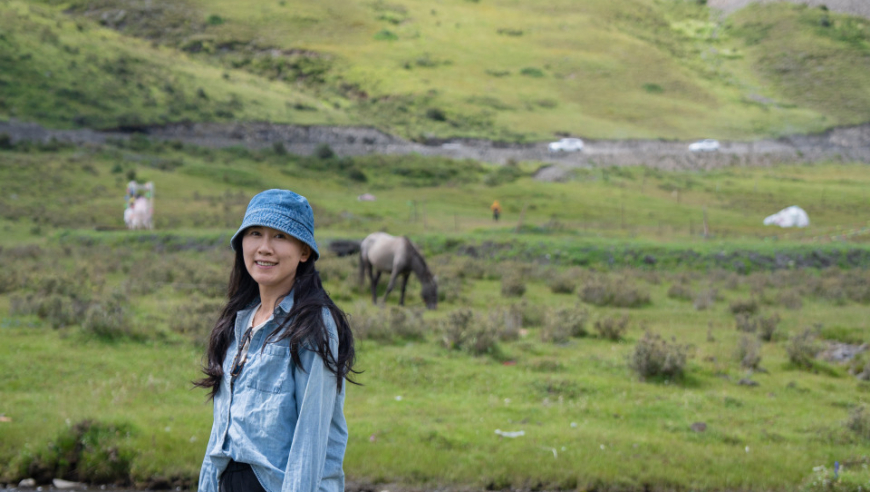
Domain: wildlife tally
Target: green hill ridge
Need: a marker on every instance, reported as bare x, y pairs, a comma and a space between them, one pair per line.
496, 69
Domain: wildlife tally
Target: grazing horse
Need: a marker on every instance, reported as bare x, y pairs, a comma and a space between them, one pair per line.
381, 252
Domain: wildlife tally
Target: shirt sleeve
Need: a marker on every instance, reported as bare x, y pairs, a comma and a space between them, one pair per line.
316, 398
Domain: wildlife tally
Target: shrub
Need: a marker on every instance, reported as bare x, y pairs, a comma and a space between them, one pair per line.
387, 325
532, 314
463, 330
196, 318
859, 422
563, 283
324, 151
108, 318
743, 306
802, 348
513, 285
749, 352
680, 291
506, 323
5, 142
767, 327
861, 369
449, 288
532, 72
436, 114
656, 357
790, 299
366, 326
746, 323
57, 309
88, 451
385, 35
470, 268
407, 324
612, 328
601, 291
563, 323
705, 299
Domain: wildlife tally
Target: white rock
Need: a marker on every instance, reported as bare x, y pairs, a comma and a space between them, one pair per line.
66, 484
28, 483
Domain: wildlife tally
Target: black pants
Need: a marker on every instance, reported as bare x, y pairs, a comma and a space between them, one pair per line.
239, 477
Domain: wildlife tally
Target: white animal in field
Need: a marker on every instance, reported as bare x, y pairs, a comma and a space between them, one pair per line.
380, 252
793, 216
138, 216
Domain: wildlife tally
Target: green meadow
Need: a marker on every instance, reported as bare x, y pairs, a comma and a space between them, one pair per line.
497, 69
598, 369
627, 329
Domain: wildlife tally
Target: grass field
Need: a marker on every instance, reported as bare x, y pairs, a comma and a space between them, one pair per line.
109, 324
498, 69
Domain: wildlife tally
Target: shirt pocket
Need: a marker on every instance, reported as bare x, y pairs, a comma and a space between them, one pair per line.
271, 370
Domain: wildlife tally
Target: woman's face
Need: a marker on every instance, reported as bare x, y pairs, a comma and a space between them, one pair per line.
272, 256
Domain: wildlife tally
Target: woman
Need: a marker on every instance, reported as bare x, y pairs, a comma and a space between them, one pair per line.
277, 358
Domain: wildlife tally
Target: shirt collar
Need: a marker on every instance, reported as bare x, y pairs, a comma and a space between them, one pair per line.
286, 304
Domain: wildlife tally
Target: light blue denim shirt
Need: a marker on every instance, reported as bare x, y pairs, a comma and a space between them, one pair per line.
287, 423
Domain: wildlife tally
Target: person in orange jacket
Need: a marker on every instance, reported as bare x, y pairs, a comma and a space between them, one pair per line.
496, 210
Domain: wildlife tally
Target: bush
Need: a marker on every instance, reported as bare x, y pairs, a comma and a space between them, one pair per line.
601, 291
563, 323
463, 330
655, 357
196, 318
746, 323
802, 348
506, 323
743, 306
563, 283
513, 285
767, 327
859, 422
397, 323
60, 299
449, 288
532, 314
108, 318
407, 324
749, 352
436, 114
790, 299
324, 151
705, 299
680, 291
612, 328
532, 72
88, 451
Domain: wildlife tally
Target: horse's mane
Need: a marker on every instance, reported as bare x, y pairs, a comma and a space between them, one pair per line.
416, 253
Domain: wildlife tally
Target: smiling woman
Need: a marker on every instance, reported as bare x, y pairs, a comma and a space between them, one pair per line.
278, 401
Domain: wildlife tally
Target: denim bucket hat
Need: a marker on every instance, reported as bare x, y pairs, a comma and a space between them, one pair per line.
282, 210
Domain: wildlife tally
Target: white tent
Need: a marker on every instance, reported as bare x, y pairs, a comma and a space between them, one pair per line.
793, 216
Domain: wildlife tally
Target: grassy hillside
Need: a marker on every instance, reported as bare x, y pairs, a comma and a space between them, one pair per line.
491, 68
109, 324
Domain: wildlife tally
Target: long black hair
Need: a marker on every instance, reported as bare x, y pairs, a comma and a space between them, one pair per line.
303, 325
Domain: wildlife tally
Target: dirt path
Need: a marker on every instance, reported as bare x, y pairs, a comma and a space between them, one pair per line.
853, 7
848, 144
